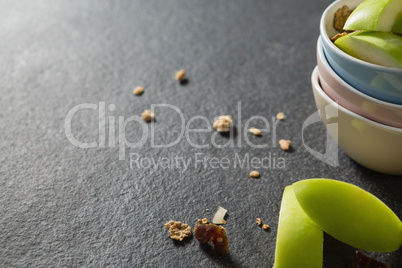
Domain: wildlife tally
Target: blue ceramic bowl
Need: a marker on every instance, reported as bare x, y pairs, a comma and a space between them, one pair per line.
380, 82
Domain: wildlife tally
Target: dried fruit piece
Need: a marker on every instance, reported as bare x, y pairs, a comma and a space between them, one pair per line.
219, 216
178, 230
340, 17
222, 123
138, 90
254, 174
147, 115
180, 75
280, 116
362, 261
285, 144
255, 131
205, 233
221, 242
258, 220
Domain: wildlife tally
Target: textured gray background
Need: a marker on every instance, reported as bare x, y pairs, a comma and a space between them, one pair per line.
64, 206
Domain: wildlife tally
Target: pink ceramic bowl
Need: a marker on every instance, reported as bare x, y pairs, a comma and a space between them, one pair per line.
337, 89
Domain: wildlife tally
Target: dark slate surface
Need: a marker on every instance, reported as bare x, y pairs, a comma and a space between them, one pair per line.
66, 206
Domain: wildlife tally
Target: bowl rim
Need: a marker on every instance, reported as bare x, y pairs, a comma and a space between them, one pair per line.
326, 39
314, 81
320, 50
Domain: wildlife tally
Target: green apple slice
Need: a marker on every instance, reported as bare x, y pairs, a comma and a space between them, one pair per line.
376, 47
376, 15
299, 242
350, 214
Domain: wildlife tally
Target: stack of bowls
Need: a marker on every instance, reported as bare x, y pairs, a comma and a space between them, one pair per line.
360, 103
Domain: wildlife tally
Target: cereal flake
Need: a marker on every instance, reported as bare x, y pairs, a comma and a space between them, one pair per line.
178, 230
222, 123
338, 35
147, 115
255, 131
265, 226
340, 17
285, 144
180, 75
254, 174
203, 221
280, 116
138, 90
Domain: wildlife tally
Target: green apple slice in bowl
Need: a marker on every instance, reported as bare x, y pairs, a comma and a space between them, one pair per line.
376, 15
380, 48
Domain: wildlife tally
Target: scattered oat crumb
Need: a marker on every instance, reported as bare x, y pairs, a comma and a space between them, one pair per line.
222, 123
203, 221
255, 131
258, 220
285, 144
338, 35
178, 230
254, 174
181, 75
147, 115
265, 226
207, 210
138, 90
340, 17
280, 116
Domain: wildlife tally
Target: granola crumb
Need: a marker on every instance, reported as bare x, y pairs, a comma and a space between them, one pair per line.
178, 230
340, 17
207, 210
338, 35
147, 115
265, 226
258, 220
255, 131
222, 123
280, 116
180, 75
138, 90
203, 221
285, 144
254, 174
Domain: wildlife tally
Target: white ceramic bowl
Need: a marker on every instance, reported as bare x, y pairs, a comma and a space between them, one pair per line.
373, 145
352, 99
380, 82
